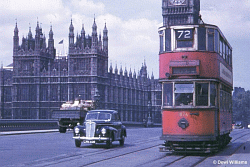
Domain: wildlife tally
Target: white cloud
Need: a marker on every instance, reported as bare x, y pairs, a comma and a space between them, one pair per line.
231, 16
87, 6
30, 5
131, 41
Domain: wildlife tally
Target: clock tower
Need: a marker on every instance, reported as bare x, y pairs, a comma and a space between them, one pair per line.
180, 12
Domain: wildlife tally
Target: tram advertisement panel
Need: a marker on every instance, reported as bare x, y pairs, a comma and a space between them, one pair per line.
226, 74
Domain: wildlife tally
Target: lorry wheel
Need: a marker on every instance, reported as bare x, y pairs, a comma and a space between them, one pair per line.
62, 129
78, 143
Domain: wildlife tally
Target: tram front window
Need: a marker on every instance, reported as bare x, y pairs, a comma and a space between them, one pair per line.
184, 94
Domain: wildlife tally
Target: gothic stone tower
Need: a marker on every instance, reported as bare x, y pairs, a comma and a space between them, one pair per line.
29, 60
88, 64
180, 12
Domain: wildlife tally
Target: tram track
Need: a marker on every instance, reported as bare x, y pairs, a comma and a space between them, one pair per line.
189, 160
132, 152
65, 158
97, 155
194, 160
245, 134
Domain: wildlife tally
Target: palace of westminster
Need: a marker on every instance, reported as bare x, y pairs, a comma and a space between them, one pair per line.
40, 82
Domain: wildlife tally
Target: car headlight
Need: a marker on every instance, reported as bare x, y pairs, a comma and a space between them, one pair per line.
77, 130
103, 131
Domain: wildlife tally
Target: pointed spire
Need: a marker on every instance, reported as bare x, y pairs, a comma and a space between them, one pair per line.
134, 75
15, 41
30, 33
121, 71
16, 29
105, 27
125, 72
94, 45
37, 27
71, 27
105, 31
51, 33
105, 39
51, 43
152, 76
94, 27
116, 69
83, 30
111, 68
130, 73
71, 37
100, 37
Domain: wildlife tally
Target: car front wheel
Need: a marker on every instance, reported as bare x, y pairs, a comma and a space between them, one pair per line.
78, 143
122, 140
109, 143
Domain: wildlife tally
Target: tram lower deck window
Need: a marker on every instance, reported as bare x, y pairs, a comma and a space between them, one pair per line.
184, 94
168, 94
201, 94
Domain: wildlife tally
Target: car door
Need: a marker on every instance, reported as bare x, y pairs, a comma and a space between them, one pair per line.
117, 125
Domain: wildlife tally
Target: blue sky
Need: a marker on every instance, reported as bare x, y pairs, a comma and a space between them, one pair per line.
132, 24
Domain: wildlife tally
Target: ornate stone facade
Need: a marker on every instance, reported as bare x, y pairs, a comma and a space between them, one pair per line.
42, 81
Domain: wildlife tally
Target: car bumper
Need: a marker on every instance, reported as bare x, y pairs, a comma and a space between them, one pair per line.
91, 138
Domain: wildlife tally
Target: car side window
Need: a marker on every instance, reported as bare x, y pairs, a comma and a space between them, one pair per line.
118, 118
115, 117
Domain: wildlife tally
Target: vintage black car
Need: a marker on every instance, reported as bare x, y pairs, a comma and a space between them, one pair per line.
100, 126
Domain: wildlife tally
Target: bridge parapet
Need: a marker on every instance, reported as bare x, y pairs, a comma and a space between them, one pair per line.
27, 124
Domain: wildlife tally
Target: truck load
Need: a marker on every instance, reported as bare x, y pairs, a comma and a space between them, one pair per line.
71, 113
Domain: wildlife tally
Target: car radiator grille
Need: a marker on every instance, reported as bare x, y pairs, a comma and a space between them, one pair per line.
90, 129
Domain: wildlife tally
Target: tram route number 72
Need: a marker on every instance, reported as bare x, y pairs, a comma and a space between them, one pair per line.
185, 34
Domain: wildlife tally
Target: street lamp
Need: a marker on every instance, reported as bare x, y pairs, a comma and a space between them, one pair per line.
97, 98
149, 108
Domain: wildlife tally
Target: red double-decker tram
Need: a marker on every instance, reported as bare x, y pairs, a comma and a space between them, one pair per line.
195, 64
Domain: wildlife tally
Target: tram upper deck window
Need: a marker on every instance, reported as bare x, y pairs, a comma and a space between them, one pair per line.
210, 39
184, 38
184, 94
222, 48
216, 41
202, 38
161, 40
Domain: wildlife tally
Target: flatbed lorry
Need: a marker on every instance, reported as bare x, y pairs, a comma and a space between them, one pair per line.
72, 113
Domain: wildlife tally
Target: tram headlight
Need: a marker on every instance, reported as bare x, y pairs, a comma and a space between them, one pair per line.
103, 131
77, 130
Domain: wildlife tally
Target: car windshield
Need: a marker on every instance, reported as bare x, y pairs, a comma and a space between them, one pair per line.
98, 116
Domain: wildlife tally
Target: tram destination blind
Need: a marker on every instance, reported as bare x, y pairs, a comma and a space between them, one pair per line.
184, 37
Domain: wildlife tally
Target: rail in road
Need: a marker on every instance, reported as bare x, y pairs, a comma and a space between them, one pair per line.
141, 149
